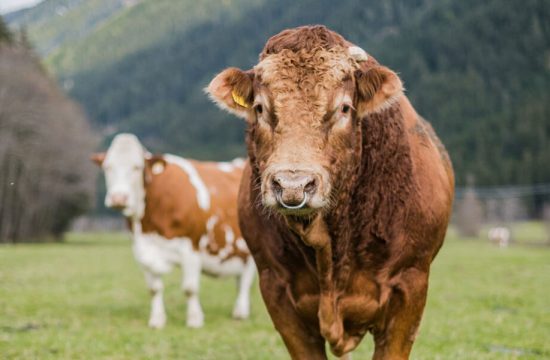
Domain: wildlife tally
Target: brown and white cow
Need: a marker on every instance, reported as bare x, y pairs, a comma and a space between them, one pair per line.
347, 197
181, 212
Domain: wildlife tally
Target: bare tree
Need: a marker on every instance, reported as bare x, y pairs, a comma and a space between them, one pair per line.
45, 140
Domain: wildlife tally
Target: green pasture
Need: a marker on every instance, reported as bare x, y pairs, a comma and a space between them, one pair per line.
86, 299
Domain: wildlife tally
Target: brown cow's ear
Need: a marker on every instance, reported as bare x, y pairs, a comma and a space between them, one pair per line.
98, 158
232, 90
377, 88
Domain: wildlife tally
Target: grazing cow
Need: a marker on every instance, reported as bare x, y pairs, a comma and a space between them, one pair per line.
499, 235
181, 212
347, 196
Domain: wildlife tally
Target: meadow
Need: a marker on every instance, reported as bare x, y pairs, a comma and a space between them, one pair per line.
85, 298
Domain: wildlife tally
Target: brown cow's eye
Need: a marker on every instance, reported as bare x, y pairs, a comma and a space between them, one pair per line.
345, 109
259, 109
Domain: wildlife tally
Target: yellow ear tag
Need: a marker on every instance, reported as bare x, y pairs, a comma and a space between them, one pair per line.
239, 99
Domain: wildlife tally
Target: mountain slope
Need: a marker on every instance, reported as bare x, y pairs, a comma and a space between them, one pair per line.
55, 23
479, 71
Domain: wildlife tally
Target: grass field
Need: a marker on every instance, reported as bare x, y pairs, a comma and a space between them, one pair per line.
86, 299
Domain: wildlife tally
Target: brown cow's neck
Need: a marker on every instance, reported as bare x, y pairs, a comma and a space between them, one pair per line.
370, 203
381, 187
386, 171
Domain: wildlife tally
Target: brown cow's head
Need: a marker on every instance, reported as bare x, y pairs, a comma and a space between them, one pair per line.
304, 102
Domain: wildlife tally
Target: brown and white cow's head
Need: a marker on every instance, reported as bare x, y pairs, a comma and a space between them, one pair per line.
127, 166
304, 102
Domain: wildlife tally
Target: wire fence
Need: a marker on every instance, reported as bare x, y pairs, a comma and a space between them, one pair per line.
504, 212
503, 192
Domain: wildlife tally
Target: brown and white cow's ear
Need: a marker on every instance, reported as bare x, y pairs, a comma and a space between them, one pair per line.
232, 90
154, 165
377, 88
98, 158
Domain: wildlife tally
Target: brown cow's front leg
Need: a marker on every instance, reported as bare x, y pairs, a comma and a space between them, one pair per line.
300, 341
394, 338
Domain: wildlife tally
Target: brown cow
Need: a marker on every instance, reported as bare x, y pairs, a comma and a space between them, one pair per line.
347, 197
181, 212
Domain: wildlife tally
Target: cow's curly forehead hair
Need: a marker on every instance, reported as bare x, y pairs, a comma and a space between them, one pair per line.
303, 38
306, 70
307, 59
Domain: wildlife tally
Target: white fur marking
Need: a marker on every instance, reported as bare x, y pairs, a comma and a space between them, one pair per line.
123, 160
157, 168
213, 264
203, 196
229, 235
157, 318
191, 266
211, 222
225, 167
242, 305
223, 253
238, 162
203, 242
241, 245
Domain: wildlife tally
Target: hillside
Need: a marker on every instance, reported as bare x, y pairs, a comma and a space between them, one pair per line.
57, 23
479, 71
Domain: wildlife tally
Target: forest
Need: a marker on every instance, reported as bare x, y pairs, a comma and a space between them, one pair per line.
479, 71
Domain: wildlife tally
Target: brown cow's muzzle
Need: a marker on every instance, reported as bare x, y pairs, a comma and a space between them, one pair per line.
292, 189
296, 192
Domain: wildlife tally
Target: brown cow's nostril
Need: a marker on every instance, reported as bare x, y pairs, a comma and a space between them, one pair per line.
276, 186
293, 189
311, 186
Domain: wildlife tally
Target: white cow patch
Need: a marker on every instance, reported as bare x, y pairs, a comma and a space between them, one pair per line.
229, 235
230, 166
211, 222
238, 162
158, 254
203, 196
225, 167
203, 242
217, 265
157, 168
241, 245
123, 168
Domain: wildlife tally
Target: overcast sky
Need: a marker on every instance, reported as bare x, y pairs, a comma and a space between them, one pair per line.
7, 6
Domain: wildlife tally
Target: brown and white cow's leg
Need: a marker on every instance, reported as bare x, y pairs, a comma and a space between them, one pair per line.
157, 318
191, 266
395, 339
245, 280
154, 266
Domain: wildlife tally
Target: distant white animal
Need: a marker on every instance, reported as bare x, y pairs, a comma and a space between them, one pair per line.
500, 235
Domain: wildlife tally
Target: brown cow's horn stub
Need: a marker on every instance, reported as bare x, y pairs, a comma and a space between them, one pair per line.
357, 53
